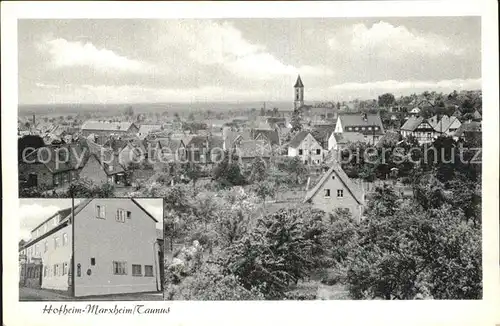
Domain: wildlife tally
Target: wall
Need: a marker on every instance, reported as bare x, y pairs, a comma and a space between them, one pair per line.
330, 204
309, 146
44, 176
56, 256
94, 171
107, 240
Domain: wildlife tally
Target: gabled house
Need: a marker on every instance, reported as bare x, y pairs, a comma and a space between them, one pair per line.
419, 128
248, 150
467, 131
306, 147
268, 135
204, 149
99, 247
367, 124
168, 149
53, 166
334, 191
322, 134
446, 125
104, 166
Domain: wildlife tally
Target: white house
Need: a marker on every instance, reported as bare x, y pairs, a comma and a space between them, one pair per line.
336, 191
305, 146
369, 125
110, 246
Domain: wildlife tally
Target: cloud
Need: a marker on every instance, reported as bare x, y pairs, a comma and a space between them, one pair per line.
386, 40
31, 215
220, 43
65, 54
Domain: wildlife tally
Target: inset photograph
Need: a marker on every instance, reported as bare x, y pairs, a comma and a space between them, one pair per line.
91, 249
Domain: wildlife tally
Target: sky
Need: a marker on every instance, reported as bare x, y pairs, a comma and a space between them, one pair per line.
33, 212
202, 60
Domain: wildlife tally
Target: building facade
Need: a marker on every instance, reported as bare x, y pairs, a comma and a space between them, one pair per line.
110, 246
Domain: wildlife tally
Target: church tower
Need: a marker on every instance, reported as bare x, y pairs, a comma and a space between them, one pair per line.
299, 93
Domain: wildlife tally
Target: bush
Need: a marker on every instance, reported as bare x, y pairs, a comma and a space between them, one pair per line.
417, 254
209, 284
281, 249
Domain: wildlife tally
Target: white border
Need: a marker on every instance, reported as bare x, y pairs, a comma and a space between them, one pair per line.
482, 312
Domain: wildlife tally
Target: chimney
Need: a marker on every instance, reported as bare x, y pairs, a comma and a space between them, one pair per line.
33, 120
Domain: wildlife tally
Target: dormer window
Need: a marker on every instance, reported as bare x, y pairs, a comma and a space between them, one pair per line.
369, 128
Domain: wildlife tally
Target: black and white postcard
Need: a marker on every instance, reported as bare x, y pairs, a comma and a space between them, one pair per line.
257, 162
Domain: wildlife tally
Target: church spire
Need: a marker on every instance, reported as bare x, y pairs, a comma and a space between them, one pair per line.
298, 83
299, 93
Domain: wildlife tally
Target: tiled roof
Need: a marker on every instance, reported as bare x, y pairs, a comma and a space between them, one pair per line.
362, 120
146, 129
472, 126
412, 123
271, 135
107, 126
335, 168
299, 137
349, 137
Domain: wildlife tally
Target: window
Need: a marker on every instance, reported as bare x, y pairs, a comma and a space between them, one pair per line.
376, 128
65, 239
129, 215
327, 192
363, 128
46, 246
333, 177
56, 242
318, 151
45, 227
357, 128
54, 221
300, 152
369, 128
45, 271
120, 215
340, 193
92, 261
120, 268
148, 270
136, 270
65, 269
37, 249
56, 270
100, 211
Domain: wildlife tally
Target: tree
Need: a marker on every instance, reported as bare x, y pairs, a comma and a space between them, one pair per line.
386, 100
281, 249
296, 168
128, 111
227, 172
26, 145
263, 190
296, 121
416, 254
262, 112
384, 202
258, 172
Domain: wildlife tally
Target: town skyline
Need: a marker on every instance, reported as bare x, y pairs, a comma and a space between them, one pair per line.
182, 61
